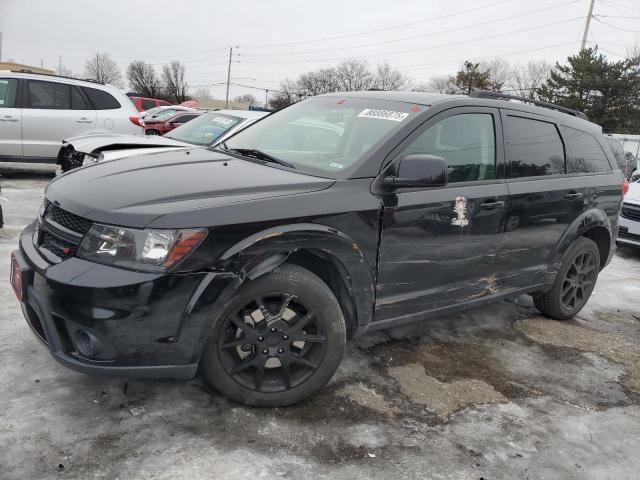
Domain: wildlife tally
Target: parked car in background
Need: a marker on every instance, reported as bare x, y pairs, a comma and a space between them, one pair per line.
625, 160
143, 104
629, 230
255, 261
160, 126
204, 131
165, 111
38, 111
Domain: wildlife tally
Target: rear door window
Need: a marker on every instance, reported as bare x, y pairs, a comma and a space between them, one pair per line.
100, 99
48, 95
585, 153
533, 147
77, 100
8, 89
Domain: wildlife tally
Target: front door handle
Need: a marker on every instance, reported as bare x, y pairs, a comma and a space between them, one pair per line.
573, 195
84, 120
7, 118
491, 204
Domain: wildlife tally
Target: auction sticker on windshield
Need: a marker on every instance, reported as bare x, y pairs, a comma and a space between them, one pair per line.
383, 114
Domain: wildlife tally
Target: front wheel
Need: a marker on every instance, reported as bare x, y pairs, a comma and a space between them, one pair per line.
574, 283
278, 341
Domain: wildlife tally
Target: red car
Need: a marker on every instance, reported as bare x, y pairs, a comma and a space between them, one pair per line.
163, 124
143, 104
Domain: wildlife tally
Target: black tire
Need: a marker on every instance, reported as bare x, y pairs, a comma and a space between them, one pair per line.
152, 132
574, 283
278, 340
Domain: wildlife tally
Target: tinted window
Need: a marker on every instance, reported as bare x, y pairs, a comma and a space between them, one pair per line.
533, 147
49, 95
8, 88
77, 100
147, 104
465, 141
585, 153
101, 100
183, 118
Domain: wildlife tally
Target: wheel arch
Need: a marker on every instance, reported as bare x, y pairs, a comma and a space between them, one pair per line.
593, 224
327, 252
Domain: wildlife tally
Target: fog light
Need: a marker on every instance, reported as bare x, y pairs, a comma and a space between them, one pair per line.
87, 344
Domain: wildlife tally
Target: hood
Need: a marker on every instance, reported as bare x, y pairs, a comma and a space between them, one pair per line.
134, 193
633, 195
100, 142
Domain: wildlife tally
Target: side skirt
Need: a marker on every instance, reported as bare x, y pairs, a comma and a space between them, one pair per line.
436, 312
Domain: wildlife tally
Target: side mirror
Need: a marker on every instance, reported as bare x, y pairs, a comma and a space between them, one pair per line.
415, 171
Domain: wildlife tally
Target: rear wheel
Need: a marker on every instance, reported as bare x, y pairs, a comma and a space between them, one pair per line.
574, 283
279, 340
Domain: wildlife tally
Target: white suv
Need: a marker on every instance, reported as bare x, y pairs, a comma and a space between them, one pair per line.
38, 111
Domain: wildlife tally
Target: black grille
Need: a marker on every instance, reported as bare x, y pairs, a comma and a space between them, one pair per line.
624, 233
57, 246
631, 212
68, 220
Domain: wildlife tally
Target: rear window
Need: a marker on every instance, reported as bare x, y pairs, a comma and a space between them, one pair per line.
205, 129
77, 100
533, 147
101, 100
585, 153
48, 95
147, 103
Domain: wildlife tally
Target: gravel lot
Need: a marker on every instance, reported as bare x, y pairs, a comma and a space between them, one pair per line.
495, 393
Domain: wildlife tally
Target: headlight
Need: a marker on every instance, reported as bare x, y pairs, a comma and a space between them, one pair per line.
147, 250
91, 159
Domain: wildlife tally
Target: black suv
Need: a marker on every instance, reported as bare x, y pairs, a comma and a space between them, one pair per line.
338, 215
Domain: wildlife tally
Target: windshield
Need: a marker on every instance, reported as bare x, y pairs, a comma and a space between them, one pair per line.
166, 113
205, 129
328, 134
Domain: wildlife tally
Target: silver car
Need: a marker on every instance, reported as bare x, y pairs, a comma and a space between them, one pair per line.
38, 111
205, 131
629, 231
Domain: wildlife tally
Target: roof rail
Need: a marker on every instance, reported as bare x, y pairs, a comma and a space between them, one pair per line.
26, 70
539, 103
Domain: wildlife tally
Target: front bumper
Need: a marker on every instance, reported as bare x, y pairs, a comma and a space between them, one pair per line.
141, 324
629, 231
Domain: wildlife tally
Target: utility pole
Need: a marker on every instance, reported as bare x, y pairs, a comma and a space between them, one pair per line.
226, 102
0, 46
59, 64
266, 98
586, 26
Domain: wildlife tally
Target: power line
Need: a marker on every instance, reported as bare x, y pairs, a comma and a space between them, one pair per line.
420, 49
615, 26
620, 5
395, 27
430, 34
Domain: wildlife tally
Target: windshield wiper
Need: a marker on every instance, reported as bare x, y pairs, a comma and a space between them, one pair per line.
259, 155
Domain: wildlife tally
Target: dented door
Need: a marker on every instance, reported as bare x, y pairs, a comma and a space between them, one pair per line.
438, 246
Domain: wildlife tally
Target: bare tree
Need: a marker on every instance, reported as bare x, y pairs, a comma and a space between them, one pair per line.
526, 78
246, 98
175, 84
389, 78
63, 70
354, 75
103, 69
436, 84
325, 80
202, 93
287, 95
499, 70
143, 79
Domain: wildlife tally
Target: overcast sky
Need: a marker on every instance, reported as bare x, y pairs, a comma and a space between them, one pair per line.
277, 39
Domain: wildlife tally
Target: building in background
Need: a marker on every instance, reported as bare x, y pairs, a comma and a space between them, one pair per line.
19, 66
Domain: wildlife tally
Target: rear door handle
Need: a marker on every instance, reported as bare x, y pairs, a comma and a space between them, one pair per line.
573, 195
7, 118
84, 120
491, 204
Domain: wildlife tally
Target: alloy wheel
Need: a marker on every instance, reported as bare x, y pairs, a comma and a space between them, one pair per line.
579, 281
